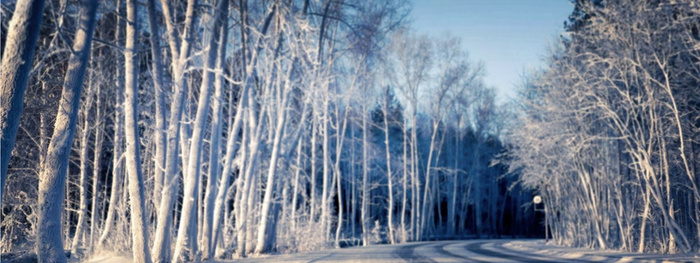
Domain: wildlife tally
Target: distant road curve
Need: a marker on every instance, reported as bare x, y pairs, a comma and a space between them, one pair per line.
493, 250
423, 252
468, 251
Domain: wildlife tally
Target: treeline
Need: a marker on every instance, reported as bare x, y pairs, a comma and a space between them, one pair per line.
186, 130
609, 131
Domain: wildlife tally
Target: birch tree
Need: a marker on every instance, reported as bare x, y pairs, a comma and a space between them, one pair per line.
117, 141
160, 137
82, 213
217, 119
179, 62
414, 58
16, 65
291, 96
139, 225
53, 172
620, 131
192, 173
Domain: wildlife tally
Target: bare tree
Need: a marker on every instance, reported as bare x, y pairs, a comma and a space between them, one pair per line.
53, 172
117, 141
139, 225
82, 213
217, 119
161, 245
191, 182
160, 137
16, 65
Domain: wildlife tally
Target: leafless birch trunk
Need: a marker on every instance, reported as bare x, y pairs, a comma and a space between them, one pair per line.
16, 65
53, 172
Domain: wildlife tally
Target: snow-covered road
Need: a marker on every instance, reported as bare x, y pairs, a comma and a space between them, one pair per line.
501, 250
496, 250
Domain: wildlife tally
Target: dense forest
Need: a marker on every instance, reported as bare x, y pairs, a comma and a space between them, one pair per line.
198, 129
609, 132
187, 130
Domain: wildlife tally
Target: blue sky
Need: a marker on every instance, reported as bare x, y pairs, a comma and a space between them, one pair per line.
509, 36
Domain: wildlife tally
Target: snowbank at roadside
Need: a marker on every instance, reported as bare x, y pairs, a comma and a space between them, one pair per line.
538, 247
108, 257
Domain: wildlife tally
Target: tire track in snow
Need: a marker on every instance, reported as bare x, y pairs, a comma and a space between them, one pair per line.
329, 256
408, 254
441, 249
476, 247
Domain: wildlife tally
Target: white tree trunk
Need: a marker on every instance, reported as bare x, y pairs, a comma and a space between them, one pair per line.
353, 188
159, 135
97, 163
404, 230
14, 74
415, 186
249, 177
365, 188
645, 215
139, 225
295, 192
217, 119
390, 186
82, 210
161, 245
231, 151
188, 216
117, 149
312, 204
452, 212
428, 168
324, 192
340, 138
53, 173
262, 246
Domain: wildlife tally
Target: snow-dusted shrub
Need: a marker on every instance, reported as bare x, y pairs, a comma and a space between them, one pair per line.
377, 233
304, 237
18, 227
402, 234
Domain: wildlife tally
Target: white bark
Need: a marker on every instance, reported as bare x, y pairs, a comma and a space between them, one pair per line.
22, 36
390, 186
312, 204
340, 138
353, 189
159, 136
53, 173
188, 216
284, 89
324, 191
363, 210
249, 178
452, 212
231, 151
404, 230
97, 163
427, 189
415, 186
217, 119
139, 225
262, 246
295, 192
78, 237
161, 245
117, 149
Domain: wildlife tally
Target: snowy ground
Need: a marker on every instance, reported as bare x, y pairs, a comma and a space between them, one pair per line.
588, 255
458, 251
